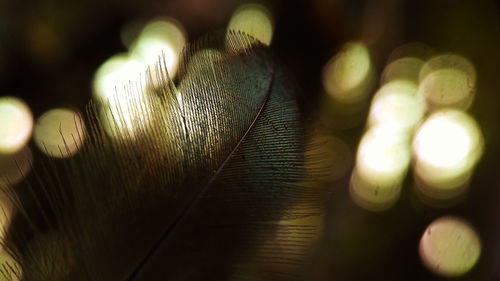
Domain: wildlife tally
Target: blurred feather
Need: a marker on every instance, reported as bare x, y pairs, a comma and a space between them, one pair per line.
207, 185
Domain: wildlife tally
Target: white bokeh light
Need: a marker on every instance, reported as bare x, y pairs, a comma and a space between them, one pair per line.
253, 19
447, 146
114, 75
163, 37
382, 161
59, 132
16, 124
397, 104
118, 88
450, 247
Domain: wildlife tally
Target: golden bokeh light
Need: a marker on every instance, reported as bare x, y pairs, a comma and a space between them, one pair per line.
447, 88
397, 104
16, 124
450, 247
114, 75
447, 147
118, 87
162, 37
445, 61
59, 132
382, 161
15, 167
348, 75
126, 117
253, 19
448, 81
407, 68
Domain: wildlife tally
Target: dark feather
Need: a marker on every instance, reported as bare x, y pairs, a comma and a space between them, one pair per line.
207, 186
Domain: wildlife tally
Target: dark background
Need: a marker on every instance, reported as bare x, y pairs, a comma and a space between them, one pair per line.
49, 51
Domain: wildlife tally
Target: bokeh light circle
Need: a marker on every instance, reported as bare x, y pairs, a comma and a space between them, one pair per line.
448, 80
446, 147
253, 19
382, 160
452, 61
450, 247
347, 75
407, 68
16, 124
114, 75
397, 104
161, 37
383, 152
59, 132
447, 88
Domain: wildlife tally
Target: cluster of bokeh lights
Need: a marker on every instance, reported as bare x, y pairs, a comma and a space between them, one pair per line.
421, 104
416, 120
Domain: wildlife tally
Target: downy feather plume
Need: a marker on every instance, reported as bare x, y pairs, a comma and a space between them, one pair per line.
209, 185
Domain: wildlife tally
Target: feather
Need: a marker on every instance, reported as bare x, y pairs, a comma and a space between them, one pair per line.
204, 182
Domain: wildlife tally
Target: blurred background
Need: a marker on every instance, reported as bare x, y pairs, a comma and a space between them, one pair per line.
402, 96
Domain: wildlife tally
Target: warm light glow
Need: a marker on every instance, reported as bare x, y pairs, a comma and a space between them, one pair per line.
59, 132
118, 88
382, 161
452, 61
160, 38
447, 147
383, 151
255, 20
347, 76
16, 124
450, 247
114, 75
447, 88
120, 84
448, 81
397, 104
130, 114
407, 68
15, 167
